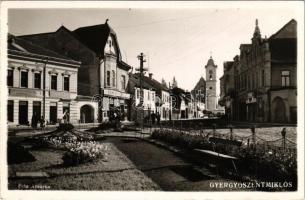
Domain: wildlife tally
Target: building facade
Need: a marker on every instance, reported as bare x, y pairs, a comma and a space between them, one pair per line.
103, 75
265, 88
156, 97
199, 93
41, 83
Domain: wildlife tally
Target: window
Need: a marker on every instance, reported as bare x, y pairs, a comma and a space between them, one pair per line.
113, 78
210, 71
10, 77
54, 82
108, 78
285, 78
153, 97
148, 95
211, 77
24, 79
37, 80
211, 88
10, 111
138, 93
123, 82
66, 83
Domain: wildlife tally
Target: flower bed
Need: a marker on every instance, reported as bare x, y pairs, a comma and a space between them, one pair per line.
256, 160
78, 146
84, 152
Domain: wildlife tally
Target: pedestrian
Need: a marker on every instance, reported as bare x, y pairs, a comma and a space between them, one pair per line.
158, 118
34, 121
153, 118
42, 122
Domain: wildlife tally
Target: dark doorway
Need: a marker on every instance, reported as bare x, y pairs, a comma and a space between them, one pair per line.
23, 112
182, 114
293, 115
87, 114
66, 113
53, 113
279, 110
37, 108
10, 110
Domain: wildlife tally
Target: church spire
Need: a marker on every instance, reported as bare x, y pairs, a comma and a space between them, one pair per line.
257, 32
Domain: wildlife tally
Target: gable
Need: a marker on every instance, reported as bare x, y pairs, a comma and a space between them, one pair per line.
287, 31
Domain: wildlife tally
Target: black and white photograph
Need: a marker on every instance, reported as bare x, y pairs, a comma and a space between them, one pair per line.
183, 100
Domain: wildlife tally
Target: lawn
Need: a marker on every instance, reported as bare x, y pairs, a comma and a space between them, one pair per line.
115, 172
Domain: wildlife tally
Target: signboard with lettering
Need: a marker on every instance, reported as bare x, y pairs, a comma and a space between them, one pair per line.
114, 93
25, 92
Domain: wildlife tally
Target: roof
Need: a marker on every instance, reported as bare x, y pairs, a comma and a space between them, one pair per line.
200, 84
17, 44
283, 44
183, 95
152, 83
289, 27
134, 81
94, 37
211, 62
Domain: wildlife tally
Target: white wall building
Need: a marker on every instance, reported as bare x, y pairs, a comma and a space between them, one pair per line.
32, 68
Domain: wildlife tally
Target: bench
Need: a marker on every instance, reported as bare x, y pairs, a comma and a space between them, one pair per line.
219, 158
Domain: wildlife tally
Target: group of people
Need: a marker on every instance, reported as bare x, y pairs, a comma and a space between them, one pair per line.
154, 117
116, 116
37, 119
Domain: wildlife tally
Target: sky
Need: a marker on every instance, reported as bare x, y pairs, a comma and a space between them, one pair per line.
176, 42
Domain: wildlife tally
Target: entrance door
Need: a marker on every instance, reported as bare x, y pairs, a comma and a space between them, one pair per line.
37, 109
23, 112
53, 113
279, 110
87, 114
10, 111
66, 112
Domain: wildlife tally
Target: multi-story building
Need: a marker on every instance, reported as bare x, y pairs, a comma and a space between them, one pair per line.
156, 96
103, 75
265, 88
198, 94
182, 104
40, 83
227, 91
140, 108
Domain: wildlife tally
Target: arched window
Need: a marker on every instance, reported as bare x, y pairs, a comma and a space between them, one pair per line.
113, 78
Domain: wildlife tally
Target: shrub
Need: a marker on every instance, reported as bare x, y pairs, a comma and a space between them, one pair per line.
276, 164
65, 127
18, 154
84, 152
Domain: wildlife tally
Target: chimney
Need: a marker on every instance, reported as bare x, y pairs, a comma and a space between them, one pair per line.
150, 75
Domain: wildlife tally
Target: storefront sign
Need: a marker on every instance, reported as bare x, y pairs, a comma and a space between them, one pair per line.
25, 92
114, 93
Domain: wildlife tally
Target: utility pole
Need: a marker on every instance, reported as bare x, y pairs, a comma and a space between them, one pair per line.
141, 70
44, 88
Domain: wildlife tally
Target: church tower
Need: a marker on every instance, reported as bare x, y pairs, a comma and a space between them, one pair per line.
211, 99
